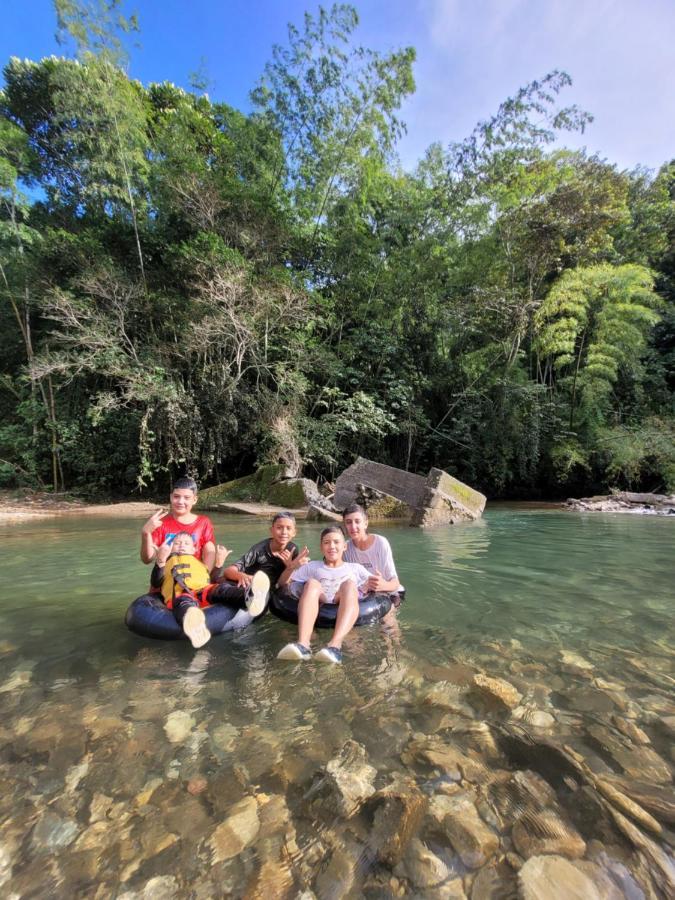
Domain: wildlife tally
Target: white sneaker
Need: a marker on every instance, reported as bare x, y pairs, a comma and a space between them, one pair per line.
257, 594
194, 626
295, 652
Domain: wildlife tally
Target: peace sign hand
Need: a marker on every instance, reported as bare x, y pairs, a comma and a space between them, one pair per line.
154, 521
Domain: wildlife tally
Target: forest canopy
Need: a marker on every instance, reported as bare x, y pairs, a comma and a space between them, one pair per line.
189, 288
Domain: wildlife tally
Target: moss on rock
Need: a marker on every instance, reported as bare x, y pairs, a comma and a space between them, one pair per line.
290, 494
255, 487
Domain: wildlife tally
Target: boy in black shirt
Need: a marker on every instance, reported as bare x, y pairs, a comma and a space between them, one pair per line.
271, 556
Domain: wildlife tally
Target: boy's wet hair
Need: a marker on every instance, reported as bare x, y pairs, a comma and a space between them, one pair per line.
332, 529
283, 515
183, 534
185, 484
354, 508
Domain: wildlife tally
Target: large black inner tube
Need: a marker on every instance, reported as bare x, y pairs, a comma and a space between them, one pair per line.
372, 608
149, 617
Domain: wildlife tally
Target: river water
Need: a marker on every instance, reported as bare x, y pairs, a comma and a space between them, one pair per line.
510, 730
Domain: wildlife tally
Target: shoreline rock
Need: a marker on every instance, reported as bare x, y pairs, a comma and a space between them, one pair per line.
626, 502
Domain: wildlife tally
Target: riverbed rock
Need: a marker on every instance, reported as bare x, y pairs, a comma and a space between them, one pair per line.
345, 783
53, 832
555, 878
446, 696
544, 832
631, 730
272, 881
178, 726
496, 881
637, 762
522, 791
399, 810
447, 757
538, 718
659, 800
237, 832
338, 878
162, 887
575, 662
457, 818
627, 806
422, 867
495, 692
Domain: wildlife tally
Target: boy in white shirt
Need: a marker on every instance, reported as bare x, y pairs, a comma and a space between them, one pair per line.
331, 580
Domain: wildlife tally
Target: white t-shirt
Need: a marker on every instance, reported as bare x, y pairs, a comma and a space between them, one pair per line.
331, 577
378, 556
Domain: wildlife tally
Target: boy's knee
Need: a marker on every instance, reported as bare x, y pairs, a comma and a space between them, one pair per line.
348, 591
312, 588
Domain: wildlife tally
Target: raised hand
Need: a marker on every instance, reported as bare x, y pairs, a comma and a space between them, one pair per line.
221, 554
154, 521
163, 554
300, 559
284, 555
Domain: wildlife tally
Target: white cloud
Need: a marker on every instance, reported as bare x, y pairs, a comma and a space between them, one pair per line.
475, 53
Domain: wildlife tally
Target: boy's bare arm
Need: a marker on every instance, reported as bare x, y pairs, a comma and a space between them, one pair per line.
209, 554
148, 548
217, 571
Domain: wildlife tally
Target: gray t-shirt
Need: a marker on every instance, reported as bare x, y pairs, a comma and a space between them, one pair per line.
330, 577
378, 556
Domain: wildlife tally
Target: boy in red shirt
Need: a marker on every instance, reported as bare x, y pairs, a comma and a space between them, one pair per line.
163, 526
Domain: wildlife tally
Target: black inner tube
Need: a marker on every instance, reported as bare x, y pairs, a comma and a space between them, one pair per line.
149, 617
371, 609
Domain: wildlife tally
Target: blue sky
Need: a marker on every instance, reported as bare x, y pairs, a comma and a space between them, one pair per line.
471, 54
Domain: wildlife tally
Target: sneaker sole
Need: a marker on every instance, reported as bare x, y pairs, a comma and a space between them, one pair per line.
260, 588
291, 653
194, 626
323, 656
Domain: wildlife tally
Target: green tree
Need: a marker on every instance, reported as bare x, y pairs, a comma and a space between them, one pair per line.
594, 321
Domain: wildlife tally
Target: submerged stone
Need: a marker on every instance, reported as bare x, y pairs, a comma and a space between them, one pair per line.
346, 782
540, 832
162, 887
422, 867
178, 726
52, 832
400, 808
555, 878
237, 832
637, 762
494, 882
496, 692
457, 818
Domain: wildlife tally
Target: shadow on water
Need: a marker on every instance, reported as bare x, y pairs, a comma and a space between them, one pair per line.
512, 724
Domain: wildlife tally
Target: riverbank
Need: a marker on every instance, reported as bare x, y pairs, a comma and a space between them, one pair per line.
15, 505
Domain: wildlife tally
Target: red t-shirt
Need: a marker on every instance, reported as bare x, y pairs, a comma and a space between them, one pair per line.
201, 530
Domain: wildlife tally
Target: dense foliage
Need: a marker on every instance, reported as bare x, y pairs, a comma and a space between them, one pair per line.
185, 287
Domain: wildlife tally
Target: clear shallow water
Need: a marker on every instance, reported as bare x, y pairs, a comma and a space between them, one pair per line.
123, 759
